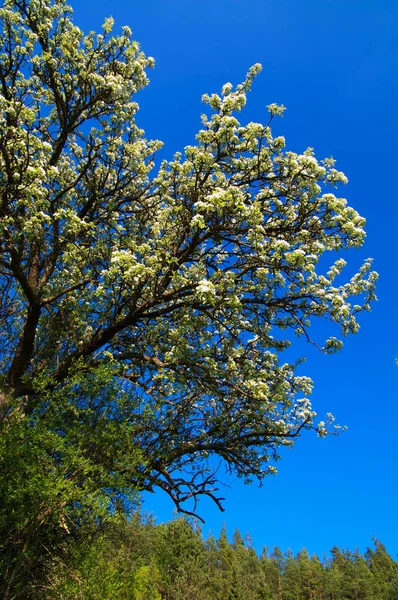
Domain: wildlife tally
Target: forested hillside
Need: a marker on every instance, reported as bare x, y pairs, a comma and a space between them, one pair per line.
139, 560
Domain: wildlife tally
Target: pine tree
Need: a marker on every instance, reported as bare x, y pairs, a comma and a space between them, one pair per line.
384, 570
291, 580
181, 558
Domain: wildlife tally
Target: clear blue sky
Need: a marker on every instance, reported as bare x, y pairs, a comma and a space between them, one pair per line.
334, 65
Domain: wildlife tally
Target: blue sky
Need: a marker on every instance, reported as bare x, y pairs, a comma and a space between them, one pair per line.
334, 65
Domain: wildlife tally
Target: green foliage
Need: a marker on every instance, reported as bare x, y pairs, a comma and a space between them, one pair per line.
182, 561
116, 561
145, 584
137, 560
60, 479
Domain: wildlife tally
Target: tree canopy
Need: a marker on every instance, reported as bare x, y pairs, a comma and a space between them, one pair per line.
143, 311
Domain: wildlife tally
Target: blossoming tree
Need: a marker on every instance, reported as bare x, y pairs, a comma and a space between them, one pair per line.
144, 312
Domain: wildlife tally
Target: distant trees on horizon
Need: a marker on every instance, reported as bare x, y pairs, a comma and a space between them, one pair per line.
139, 560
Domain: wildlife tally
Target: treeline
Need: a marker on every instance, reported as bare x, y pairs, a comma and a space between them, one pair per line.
139, 560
